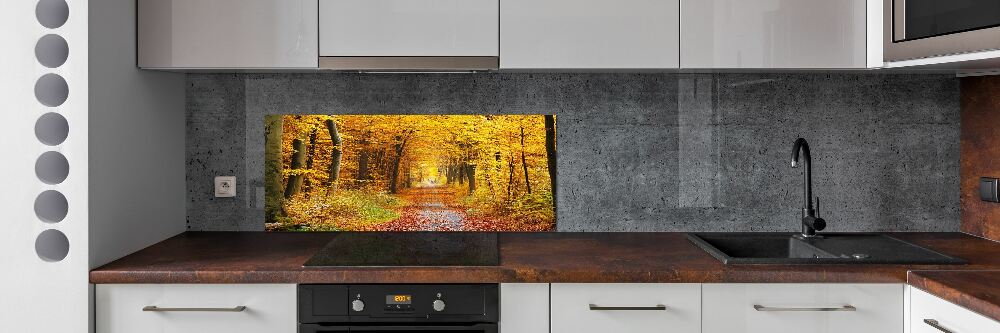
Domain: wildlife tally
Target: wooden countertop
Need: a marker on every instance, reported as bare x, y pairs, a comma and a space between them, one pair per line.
259, 257
978, 291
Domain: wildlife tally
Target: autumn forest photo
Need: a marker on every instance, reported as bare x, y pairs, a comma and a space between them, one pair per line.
410, 172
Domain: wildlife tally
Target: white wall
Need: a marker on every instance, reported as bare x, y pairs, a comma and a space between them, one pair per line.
138, 131
38, 295
137, 185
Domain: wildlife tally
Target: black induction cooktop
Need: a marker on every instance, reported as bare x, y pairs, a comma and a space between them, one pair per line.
409, 249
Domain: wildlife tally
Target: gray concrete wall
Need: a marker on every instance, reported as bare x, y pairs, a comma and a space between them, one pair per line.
637, 152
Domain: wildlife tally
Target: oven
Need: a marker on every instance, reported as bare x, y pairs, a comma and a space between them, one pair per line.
377, 308
915, 29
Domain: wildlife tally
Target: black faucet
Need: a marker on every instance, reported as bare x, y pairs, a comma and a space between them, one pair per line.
810, 221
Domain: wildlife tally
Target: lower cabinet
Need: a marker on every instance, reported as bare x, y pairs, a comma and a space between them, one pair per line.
930, 314
803, 308
187, 308
629, 307
569, 308
524, 307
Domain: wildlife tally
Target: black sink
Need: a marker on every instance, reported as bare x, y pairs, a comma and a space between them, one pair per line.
836, 248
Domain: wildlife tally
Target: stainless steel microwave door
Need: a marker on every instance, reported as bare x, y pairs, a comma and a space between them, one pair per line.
915, 29
932, 18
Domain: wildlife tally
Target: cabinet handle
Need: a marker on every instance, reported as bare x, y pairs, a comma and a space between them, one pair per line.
159, 309
768, 308
595, 307
934, 323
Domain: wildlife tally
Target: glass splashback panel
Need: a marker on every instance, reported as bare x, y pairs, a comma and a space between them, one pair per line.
409, 172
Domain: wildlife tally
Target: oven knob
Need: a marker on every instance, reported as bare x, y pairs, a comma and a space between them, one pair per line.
358, 305
438, 305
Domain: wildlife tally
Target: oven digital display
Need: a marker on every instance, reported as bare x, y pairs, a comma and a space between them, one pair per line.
398, 299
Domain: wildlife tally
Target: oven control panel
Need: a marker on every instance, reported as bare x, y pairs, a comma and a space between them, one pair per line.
378, 303
399, 303
420, 300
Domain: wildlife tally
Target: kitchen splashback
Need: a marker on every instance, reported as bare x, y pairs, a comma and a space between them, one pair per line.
409, 172
637, 152
980, 146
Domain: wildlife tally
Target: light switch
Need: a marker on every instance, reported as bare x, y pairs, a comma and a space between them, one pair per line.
225, 186
988, 189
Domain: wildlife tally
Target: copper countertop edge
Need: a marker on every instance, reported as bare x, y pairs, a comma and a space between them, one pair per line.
975, 290
657, 257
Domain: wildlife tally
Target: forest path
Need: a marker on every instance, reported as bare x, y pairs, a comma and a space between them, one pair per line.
429, 208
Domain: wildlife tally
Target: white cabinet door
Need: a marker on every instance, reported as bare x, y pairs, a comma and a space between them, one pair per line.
927, 310
773, 34
425, 28
270, 308
627, 307
589, 34
227, 34
524, 308
802, 308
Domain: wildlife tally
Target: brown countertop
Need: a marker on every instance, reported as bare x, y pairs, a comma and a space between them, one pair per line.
259, 257
978, 291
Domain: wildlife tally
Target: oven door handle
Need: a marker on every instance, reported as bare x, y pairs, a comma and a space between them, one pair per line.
485, 328
415, 327
323, 329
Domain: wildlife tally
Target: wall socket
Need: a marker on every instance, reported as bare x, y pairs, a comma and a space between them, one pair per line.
988, 189
225, 186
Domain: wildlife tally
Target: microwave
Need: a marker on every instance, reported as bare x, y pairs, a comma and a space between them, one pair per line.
915, 29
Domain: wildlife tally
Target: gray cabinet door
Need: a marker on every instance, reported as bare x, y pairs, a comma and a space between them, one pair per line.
220, 34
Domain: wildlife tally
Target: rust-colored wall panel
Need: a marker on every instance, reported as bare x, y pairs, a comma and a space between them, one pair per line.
980, 153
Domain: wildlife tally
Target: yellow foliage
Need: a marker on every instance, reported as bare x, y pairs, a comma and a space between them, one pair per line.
381, 155
346, 211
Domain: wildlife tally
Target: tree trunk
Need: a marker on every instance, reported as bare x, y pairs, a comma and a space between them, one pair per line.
489, 183
524, 163
298, 159
510, 177
550, 151
461, 173
309, 160
394, 172
335, 157
273, 201
377, 161
470, 171
363, 161
448, 173
409, 176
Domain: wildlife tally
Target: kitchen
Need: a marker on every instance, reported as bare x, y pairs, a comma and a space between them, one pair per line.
622, 166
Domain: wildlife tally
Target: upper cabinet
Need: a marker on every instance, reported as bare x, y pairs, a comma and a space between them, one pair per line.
399, 34
509, 34
220, 34
589, 34
780, 34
